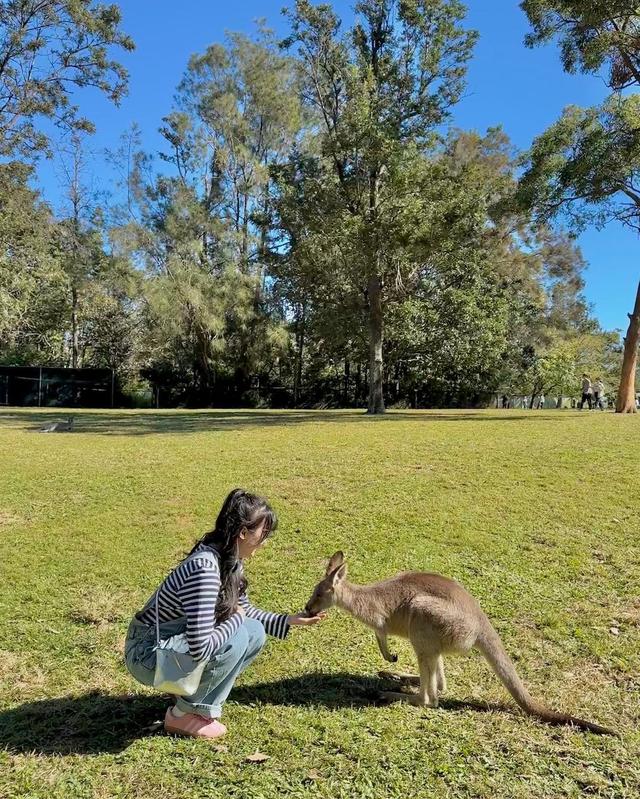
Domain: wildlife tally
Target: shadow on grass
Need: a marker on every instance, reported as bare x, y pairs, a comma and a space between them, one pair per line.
338, 690
96, 723
87, 724
143, 423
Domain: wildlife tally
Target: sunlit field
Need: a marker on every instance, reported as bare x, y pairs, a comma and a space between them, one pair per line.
537, 513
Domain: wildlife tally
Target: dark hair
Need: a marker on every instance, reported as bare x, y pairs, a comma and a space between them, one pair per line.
240, 511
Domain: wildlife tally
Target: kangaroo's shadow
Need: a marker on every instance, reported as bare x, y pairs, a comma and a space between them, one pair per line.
96, 722
339, 690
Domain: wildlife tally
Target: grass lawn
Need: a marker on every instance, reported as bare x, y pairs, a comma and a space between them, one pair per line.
537, 513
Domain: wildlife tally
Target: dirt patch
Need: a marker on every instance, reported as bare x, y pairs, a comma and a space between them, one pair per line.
630, 614
99, 608
7, 518
19, 674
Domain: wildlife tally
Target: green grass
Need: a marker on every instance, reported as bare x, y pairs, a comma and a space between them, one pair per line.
537, 513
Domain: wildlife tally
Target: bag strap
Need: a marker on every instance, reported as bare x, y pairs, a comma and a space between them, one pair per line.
157, 620
209, 556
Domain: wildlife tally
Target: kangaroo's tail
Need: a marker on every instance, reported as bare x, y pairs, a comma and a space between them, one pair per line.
489, 643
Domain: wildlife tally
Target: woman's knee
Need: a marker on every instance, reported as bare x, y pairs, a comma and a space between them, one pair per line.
239, 641
248, 639
140, 658
257, 637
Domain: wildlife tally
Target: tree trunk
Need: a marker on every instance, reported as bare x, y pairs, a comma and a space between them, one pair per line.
376, 396
75, 348
297, 380
347, 375
245, 235
627, 392
262, 266
374, 292
202, 368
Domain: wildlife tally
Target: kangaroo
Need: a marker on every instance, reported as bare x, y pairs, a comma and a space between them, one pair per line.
439, 617
59, 427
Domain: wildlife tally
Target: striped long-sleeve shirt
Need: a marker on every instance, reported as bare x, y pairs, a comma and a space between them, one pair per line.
191, 590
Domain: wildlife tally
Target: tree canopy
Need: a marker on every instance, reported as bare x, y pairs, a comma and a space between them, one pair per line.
314, 232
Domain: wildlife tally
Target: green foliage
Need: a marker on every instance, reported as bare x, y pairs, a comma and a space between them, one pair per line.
465, 297
31, 278
555, 370
212, 332
311, 209
590, 157
587, 164
241, 115
592, 34
112, 319
48, 268
47, 51
379, 94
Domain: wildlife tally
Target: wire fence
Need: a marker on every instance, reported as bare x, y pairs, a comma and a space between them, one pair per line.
57, 387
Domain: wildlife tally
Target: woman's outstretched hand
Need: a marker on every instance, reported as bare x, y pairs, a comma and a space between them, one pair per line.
302, 619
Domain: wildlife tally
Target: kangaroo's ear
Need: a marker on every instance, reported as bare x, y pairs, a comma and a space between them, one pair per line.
339, 574
335, 560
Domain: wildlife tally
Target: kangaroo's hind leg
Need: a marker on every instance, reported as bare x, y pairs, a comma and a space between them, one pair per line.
414, 679
442, 680
426, 640
427, 695
428, 690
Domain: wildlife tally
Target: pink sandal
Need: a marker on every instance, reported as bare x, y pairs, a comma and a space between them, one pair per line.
193, 725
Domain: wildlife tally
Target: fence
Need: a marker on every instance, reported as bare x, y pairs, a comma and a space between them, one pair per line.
57, 387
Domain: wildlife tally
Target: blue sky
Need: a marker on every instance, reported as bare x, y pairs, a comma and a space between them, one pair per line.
522, 90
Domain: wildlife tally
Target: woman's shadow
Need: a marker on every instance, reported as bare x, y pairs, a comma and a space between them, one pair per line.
96, 722
87, 724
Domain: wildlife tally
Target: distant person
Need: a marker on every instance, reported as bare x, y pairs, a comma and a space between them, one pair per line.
505, 401
541, 402
586, 392
598, 394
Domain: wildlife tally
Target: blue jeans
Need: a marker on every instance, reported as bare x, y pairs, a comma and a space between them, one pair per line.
219, 674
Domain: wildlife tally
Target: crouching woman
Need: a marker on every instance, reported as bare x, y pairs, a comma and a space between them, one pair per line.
201, 614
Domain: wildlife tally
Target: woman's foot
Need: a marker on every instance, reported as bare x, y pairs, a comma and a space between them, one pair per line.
193, 725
